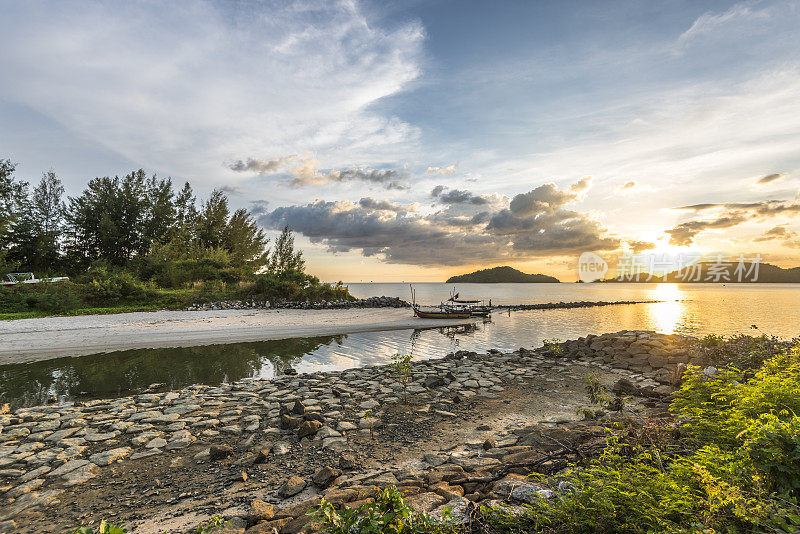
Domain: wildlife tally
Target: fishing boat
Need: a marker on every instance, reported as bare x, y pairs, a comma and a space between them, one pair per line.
441, 311
435, 312
477, 308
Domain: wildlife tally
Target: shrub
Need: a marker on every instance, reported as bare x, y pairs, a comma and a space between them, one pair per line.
773, 448
387, 514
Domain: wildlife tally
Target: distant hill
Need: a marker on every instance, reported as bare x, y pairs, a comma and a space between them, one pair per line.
498, 275
726, 273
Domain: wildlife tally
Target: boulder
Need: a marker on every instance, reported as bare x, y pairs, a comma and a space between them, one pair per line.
308, 428
291, 486
218, 452
325, 475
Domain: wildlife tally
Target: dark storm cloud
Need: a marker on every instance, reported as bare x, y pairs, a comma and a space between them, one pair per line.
388, 178
728, 214
770, 178
450, 236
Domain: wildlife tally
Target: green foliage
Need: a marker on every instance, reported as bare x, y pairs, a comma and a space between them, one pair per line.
212, 524
721, 407
595, 391
104, 528
553, 345
387, 514
712, 340
401, 370
773, 448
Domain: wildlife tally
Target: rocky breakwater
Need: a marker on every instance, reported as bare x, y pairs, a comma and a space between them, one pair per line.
371, 302
261, 452
661, 357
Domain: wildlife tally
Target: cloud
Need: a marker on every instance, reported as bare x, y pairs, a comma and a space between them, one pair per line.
384, 205
710, 22
261, 166
232, 189
628, 185
789, 237
547, 197
197, 84
450, 169
258, 207
457, 196
770, 178
451, 236
727, 215
304, 172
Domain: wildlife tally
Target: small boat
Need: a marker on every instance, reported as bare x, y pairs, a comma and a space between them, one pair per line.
476, 307
433, 312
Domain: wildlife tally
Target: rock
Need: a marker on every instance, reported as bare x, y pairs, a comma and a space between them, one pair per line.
347, 461
260, 511
291, 486
489, 444
66, 467
287, 421
269, 527
111, 456
309, 428
218, 452
425, 502
280, 448
81, 474
625, 387
298, 408
25, 487
325, 475
345, 426
431, 382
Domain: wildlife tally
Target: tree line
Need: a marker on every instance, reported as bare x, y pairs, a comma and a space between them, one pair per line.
137, 223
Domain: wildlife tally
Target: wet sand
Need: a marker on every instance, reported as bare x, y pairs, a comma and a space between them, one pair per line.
28, 340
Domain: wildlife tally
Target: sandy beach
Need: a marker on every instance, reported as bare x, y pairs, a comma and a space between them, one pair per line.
30, 340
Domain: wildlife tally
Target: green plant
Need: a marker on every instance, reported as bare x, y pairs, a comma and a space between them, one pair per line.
104, 528
773, 447
712, 340
213, 523
370, 422
553, 345
401, 369
387, 514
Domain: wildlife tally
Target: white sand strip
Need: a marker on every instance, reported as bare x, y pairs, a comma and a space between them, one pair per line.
28, 340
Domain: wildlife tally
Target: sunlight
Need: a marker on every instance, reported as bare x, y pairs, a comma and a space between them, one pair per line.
666, 315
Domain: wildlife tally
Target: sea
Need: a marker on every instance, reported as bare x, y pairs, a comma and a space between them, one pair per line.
694, 309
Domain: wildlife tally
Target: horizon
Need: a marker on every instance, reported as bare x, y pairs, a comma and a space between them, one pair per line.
429, 139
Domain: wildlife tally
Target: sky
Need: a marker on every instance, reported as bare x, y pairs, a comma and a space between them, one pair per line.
410, 141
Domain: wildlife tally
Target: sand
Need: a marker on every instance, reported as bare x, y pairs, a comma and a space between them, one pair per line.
28, 340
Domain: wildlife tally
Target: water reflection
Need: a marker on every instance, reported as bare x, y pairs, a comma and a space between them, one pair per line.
688, 309
124, 372
667, 314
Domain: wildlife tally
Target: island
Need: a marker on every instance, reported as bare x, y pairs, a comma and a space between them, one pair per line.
722, 272
499, 275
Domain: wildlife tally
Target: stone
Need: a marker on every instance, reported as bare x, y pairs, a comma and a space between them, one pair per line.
218, 452
80, 475
287, 421
291, 486
309, 428
345, 426
25, 487
347, 461
65, 468
260, 511
299, 408
107, 457
280, 448
425, 502
433, 382
325, 475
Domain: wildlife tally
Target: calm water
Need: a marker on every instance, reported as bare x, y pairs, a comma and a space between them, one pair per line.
687, 308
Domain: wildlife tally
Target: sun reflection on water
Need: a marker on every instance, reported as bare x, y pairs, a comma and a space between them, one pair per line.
666, 316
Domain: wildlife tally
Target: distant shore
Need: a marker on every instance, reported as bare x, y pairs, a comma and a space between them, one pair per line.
29, 340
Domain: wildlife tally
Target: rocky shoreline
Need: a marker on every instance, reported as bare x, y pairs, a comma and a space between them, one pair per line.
371, 302
261, 452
